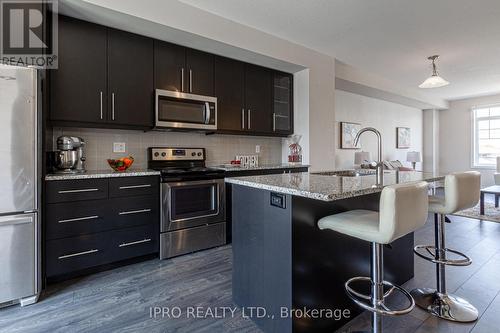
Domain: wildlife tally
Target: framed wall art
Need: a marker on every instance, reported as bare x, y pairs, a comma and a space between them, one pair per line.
348, 132
403, 137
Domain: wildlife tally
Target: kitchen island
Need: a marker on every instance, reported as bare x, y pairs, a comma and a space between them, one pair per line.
283, 262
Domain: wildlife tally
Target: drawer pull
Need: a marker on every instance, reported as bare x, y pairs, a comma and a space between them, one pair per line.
136, 242
78, 254
79, 191
93, 217
135, 211
134, 186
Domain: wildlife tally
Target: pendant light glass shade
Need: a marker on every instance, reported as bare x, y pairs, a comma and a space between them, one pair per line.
434, 81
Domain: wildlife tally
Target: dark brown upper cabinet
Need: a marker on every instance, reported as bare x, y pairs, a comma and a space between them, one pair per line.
258, 99
244, 98
130, 79
105, 77
170, 63
282, 103
78, 87
200, 72
230, 92
181, 69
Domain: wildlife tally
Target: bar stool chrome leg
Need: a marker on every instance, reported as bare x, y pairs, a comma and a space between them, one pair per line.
377, 275
375, 302
437, 301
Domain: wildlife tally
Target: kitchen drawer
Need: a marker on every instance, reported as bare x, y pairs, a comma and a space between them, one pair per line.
134, 211
134, 242
76, 253
76, 190
70, 219
133, 186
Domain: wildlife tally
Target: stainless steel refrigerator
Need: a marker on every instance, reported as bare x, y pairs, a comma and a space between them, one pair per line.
19, 186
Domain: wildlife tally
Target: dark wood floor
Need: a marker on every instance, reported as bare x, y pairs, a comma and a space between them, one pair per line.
120, 300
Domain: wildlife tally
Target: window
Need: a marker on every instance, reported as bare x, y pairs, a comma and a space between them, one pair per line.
486, 135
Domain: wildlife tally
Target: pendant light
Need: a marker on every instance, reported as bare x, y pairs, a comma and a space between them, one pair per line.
434, 81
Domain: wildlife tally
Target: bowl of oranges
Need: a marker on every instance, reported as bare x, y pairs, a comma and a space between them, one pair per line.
121, 164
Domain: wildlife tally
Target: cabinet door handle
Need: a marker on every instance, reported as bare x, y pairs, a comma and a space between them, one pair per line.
78, 191
242, 118
135, 211
190, 80
182, 79
93, 217
249, 116
134, 186
113, 106
136, 242
274, 122
77, 254
100, 100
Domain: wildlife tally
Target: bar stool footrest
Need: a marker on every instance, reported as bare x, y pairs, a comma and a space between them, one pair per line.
466, 261
364, 301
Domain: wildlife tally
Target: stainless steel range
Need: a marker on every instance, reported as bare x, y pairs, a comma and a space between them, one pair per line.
192, 201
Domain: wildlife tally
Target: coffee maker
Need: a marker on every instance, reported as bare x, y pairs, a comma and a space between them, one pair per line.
70, 157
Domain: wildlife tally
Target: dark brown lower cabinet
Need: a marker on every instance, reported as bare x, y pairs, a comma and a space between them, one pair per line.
81, 233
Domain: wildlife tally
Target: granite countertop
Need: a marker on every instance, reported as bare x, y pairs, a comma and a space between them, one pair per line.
327, 187
102, 174
260, 167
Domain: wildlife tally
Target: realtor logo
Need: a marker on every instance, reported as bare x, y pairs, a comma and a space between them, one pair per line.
28, 33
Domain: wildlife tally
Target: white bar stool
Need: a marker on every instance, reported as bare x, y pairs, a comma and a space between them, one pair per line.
461, 191
403, 209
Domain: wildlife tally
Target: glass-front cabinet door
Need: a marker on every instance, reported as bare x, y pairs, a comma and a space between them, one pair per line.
282, 103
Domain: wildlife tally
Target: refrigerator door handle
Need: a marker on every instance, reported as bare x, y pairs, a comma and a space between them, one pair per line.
8, 220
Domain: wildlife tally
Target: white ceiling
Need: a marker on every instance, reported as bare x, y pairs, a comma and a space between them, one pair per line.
389, 38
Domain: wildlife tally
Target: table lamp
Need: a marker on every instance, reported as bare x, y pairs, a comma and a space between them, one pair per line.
360, 157
413, 157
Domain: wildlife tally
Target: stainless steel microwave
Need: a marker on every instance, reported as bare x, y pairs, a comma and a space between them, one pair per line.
185, 111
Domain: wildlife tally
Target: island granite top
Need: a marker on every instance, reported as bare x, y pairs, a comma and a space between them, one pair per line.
89, 174
260, 167
326, 187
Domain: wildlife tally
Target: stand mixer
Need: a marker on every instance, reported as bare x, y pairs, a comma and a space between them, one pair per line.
71, 155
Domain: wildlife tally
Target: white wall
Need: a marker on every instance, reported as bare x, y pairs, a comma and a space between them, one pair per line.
384, 116
430, 155
455, 136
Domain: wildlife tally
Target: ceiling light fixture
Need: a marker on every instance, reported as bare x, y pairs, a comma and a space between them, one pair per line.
434, 81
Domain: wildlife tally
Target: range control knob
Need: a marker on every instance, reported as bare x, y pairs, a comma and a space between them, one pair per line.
199, 154
156, 154
193, 154
163, 154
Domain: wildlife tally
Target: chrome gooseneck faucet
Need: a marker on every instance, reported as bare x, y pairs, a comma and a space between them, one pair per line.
380, 164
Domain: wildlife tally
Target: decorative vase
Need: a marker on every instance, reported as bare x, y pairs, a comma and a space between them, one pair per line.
294, 149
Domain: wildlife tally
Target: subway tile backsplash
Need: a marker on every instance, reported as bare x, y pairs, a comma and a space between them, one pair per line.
220, 148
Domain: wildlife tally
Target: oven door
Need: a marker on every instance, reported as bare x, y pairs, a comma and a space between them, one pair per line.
192, 203
185, 111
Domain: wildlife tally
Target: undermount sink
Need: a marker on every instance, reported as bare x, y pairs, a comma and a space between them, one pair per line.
347, 173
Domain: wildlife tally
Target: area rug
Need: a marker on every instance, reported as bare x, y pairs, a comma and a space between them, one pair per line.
490, 213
